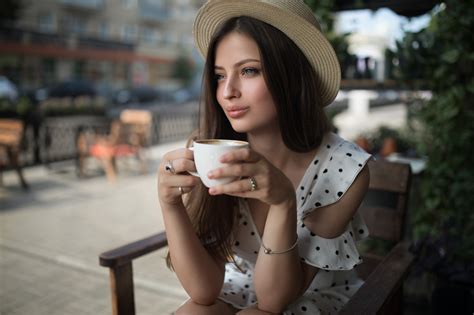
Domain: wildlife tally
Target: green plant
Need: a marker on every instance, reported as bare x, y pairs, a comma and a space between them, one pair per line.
406, 142
444, 223
183, 69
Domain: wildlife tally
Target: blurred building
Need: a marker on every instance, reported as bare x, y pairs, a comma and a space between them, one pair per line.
110, 42
370, 52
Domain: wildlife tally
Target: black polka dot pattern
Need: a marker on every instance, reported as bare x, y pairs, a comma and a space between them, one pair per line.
329, 176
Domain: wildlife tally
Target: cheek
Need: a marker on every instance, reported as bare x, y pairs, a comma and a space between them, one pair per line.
264, 100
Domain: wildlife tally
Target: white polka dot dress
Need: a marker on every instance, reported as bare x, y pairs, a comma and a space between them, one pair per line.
330, 174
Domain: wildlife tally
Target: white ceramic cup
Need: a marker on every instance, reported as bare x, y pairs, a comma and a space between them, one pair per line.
206, 157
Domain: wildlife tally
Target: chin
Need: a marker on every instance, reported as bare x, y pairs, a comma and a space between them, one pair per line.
241, 128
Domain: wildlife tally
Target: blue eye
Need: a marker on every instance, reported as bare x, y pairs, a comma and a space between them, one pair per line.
218, 77
249, 71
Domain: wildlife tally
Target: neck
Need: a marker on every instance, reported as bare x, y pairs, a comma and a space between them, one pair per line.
271, 146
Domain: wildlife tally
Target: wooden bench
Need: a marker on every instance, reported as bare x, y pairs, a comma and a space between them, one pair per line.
382, 292
11, 135
127, 137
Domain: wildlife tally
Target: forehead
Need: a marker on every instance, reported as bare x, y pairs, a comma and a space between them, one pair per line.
234, 47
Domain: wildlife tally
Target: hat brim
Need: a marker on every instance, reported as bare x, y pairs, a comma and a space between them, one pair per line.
305, 35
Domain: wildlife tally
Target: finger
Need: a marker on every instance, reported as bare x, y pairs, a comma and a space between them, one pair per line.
246, 194
176, 191
179, 165
240, 155
178, 180
238, 186
233, 170
181, 190
183, 153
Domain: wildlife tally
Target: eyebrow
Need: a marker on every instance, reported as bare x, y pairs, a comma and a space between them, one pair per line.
238, 64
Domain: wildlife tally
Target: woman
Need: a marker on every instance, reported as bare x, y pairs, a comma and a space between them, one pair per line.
281, 238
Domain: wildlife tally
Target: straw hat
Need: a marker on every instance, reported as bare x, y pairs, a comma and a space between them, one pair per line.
292, 17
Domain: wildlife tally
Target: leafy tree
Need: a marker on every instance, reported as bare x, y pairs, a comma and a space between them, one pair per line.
443, 56
183, 69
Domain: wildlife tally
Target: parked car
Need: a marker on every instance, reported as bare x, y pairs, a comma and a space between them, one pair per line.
8, 89
136, 95
72, 88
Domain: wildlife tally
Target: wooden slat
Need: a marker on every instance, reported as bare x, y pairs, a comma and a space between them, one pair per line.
11, 132
125, 254
389, 176
383, 223
121, 287
382, 285
370, 262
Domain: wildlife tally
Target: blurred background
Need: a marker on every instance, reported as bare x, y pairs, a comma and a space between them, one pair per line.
69, 69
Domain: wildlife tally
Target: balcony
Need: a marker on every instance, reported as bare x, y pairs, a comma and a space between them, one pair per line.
84, 4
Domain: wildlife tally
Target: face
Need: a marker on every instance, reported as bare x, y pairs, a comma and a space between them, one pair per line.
241, 89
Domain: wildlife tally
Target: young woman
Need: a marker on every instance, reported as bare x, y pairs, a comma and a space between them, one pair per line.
281, 238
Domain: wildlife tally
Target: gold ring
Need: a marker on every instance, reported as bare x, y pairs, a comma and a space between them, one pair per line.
253, 184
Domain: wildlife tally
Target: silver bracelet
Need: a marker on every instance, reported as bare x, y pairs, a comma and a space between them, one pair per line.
269, 251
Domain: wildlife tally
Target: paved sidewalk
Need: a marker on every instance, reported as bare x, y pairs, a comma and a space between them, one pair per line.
50, 238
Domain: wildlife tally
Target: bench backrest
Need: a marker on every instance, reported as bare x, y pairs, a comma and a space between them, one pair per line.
385, 206
132, 128
11, 132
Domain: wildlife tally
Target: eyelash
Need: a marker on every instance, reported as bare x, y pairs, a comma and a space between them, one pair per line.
253, 70
245, 71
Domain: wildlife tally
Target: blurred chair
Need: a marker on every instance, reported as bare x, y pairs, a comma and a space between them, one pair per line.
11, 135
382, 291
127, 138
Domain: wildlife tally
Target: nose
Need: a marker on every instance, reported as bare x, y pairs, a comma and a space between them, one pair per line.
231, 88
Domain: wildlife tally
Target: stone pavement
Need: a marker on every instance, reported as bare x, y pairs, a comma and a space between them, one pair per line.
50, 238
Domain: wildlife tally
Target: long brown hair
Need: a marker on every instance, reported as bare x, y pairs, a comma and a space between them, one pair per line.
293, 84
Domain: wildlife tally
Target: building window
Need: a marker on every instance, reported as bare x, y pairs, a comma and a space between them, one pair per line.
103, 30
129, 32
148, 35
47, 23
74, 24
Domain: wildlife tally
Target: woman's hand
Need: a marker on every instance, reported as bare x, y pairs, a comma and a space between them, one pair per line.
272, 186
173, 179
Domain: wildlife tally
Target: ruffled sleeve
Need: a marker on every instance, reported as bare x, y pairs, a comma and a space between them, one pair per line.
330, 175
338, 253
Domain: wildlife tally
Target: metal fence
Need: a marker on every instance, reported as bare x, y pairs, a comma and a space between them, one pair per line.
56, 138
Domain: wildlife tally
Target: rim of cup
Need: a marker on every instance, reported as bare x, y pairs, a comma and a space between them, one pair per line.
228, 142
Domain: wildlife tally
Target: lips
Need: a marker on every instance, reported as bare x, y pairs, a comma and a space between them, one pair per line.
236, 111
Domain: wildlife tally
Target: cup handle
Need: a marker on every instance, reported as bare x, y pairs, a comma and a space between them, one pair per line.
193, 173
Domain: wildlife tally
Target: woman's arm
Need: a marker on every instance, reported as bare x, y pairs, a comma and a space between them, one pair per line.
281, 278
200, 275
278, 277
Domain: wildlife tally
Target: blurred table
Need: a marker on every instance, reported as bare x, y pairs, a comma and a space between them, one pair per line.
417, 165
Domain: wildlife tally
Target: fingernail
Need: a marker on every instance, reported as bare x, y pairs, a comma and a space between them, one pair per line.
210, 175
212, 191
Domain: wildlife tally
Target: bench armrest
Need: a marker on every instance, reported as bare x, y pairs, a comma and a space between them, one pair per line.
382, 290
126, 253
